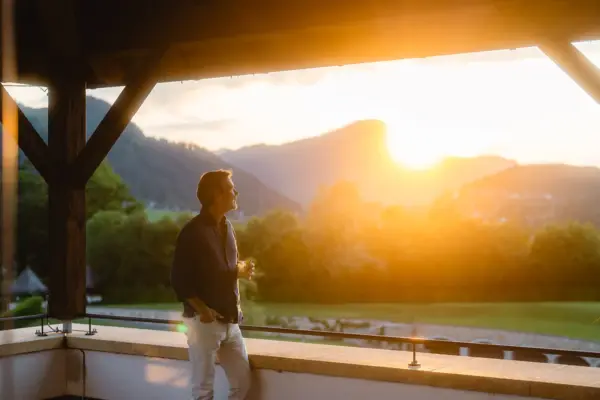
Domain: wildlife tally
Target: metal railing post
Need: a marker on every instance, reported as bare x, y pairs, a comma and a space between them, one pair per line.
90, 331
414, 363
41, 331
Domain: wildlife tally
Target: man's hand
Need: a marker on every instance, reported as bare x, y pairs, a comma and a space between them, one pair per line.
206, 313
209, 315
245, 269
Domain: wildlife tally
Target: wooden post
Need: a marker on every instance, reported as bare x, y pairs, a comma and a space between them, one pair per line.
66, 138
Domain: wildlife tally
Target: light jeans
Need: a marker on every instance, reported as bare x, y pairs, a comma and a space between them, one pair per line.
205, 342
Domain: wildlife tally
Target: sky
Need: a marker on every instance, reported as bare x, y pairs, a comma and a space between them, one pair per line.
513, 103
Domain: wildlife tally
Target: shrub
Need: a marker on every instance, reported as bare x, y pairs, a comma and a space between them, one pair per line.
28, 306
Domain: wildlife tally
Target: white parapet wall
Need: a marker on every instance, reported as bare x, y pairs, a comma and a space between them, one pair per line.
31, 367
116, 376
127, 363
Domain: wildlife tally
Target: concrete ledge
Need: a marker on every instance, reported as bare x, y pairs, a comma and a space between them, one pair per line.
528, 380
24, 340
549, 381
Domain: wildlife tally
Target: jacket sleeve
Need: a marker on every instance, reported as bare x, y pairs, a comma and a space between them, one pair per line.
186, 271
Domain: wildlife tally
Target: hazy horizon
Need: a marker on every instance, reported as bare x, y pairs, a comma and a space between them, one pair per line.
515, 104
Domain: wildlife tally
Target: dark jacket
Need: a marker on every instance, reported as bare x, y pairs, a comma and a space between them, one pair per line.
205, 266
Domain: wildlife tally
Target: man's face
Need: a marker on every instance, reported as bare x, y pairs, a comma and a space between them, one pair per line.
227, 199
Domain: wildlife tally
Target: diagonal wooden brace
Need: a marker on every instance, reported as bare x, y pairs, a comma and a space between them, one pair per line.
575, 64
117, 119
27, 137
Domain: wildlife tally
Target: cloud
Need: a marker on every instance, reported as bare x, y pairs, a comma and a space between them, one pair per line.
209, 134
199, 125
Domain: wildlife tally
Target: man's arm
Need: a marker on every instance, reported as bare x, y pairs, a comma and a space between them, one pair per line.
186, 275
244, 268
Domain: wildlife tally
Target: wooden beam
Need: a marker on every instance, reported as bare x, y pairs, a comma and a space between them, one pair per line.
118, 34
259, 45
575, 64
130, 25
27, 137
61, 26
66, 139
117, 118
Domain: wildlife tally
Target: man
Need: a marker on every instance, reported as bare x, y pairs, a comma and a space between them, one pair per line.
205, 278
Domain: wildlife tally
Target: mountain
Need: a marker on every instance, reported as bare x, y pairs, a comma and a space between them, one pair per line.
165, 174
358, 153
534, 195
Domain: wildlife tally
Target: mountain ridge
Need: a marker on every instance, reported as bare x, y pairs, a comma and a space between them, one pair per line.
534, 194
164, 173
357, 152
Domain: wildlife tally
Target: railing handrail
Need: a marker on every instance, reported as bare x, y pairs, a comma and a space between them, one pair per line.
22, 317
361, 336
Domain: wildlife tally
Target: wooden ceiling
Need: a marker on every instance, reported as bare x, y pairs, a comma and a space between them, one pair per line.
215, 38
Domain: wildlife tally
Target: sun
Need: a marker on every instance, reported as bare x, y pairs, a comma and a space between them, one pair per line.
411, 156
414, 149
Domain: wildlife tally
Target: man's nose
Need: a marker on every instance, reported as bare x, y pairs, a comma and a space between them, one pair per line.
235, 192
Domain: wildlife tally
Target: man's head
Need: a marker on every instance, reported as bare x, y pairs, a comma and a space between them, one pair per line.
217, 192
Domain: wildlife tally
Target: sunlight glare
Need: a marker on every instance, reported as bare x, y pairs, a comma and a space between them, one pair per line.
412, 147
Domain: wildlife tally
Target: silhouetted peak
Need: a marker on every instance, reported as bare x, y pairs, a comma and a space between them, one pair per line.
97, 104
370, 130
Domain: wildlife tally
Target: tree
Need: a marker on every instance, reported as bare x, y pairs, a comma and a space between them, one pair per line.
262, 233
32, 221
284, 263
131, 257
104, 191
567, 257
105, 247
339, 224
285, 270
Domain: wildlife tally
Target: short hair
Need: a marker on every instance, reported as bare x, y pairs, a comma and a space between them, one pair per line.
210, 183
